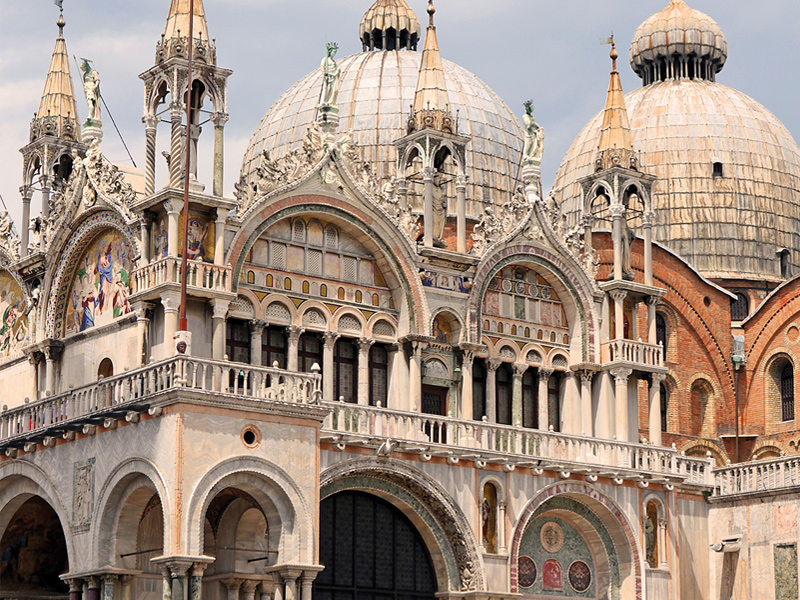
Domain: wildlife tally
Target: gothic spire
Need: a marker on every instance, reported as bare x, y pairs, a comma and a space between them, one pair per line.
615, 148
431, 103
58, 109
174, 41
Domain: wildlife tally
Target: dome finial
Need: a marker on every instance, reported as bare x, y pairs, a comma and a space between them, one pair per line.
614, 54
431, 12
389, 25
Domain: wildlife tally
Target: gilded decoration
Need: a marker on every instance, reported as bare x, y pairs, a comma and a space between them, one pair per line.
101, 285
14, 327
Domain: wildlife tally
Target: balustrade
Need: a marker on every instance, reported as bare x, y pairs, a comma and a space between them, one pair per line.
761, 476
201, 275
124, 392
636, 353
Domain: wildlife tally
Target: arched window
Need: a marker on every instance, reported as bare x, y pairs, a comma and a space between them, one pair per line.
378, 375
345, 371
700, 421
106, 369
237, 344
651, 527
664, 406
370, 551
787, 393
309, 352
530, 397
661, 332
740, 308
273, 347
489, 518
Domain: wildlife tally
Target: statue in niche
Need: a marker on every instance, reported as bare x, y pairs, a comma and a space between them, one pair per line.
439, 212
91, 89
331, 75
534, 138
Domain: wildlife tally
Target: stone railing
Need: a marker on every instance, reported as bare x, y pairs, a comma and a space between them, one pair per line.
757, 477
479, 440
116, 396
635, 353
201, 275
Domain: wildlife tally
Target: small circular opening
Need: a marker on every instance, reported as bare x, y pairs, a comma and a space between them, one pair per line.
251, 436
707, 301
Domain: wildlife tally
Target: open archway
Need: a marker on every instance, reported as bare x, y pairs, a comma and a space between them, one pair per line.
33, 550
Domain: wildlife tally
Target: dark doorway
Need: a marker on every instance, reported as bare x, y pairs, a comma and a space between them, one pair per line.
371, 551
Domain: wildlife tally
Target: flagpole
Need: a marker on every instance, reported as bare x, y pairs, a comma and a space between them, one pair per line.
183, 326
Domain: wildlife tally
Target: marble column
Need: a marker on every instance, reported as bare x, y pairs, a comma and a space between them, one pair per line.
196, 581
647, 226
232, 584
93, 588
219, 241
428, 174
109, 580
662, 543
617, 213
51, 353
467, 409
176, 145
171, 302
166, 583
278, 584
178, 571
306, 585
329, 339
491, 388
619, 313
150, 130
265, 589
249, 589
544, 399
402, 194
75, 589
621, 410
586, 403
516, 398
654, 421
141, 309
364, 346
293, 333
45, 183
257, 341
26, 192
219, 120
415, 377
219, 320
145, 226
393, 385
290, 577
501, 527
461, 213
173, 208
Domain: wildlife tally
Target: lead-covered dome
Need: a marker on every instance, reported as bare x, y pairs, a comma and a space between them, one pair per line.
678, 41
375, 97
727, 197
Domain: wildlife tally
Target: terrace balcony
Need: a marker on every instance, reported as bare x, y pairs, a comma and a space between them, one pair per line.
639, 356
148, 389
761, 477
204, 279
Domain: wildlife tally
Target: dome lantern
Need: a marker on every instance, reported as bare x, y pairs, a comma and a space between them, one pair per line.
389, 25
678, 43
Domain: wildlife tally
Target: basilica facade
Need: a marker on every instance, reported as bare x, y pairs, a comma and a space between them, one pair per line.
406, 370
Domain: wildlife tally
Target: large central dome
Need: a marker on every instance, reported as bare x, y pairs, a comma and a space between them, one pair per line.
376, 93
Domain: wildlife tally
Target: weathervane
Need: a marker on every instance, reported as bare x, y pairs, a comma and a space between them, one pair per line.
60, 5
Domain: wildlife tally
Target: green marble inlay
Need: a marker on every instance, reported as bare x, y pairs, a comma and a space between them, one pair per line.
786, 587
574, 548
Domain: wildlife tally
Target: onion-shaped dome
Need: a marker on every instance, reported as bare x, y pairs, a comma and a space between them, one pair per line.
678, 42
727, 197
375, 95
389, 25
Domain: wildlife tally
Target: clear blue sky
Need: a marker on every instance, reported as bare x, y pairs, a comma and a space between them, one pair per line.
522, 48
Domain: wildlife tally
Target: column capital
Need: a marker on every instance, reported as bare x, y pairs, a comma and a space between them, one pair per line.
220, 119
652, 300
329, 339
617, 210
364, 344
257, 326
428, 173
176, 110
26, 191
249, 586
586, 375
493, 364
618, 295
93, 582
150, 122
220, 308
621, 374
222, 216
520, 369
461, 182
657, 378
294, 332
173, 206
75, 584
233, 583
140, 309
545, 373
171, 301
